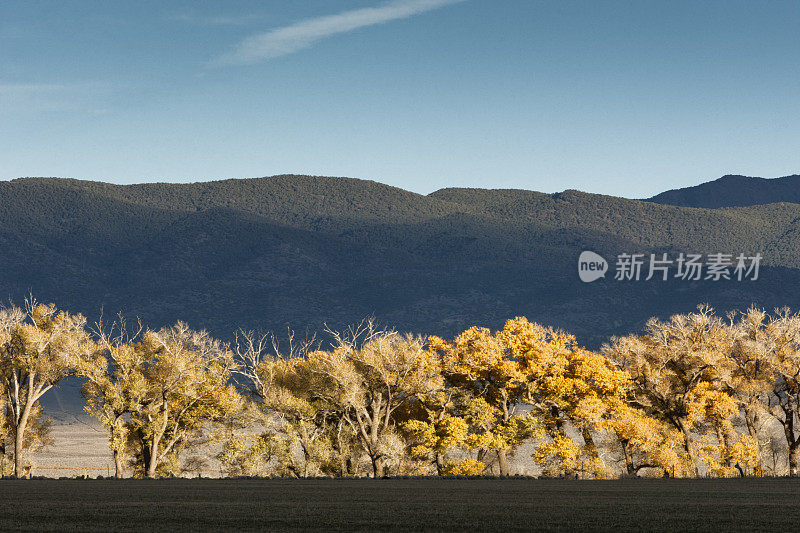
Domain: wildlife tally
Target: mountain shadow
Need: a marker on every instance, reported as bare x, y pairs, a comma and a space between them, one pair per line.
734, 191
305, 251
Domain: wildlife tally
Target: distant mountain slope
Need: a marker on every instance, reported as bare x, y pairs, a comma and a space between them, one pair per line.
734, 191
301, 251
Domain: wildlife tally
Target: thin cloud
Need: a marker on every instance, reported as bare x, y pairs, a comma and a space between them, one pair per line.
29, 88
11, 88
306, 33
222, 20
28, 98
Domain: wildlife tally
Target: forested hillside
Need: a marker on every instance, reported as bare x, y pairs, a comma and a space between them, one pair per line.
300, 251
734, 191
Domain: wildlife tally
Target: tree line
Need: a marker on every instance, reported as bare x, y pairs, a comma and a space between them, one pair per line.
695, 395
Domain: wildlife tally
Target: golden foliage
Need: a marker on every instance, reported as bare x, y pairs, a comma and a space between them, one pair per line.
466, 467
690, 395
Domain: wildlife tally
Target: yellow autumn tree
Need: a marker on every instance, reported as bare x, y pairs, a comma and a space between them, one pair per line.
784, 398
492, 386
298, 430
435, 427
181, 383
727, 451
367, 379
645, 442
757, 340
111, 383
566, 385
39, 347
674, 366
309, 424
431, 439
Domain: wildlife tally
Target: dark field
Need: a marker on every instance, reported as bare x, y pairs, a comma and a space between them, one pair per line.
401, 504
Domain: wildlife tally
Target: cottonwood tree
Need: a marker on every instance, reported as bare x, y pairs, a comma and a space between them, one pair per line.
757, 341
180, 385
368, 377
39, 347
566, 384
764, 379
112, 384
430, 440
248, 455
674, 366
434, 426
310, 420
280, 381
724, 447
37, 435
785, 395
492, 387
645, 442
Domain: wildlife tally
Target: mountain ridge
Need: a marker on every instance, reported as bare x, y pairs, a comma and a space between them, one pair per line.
733, 190
301, 251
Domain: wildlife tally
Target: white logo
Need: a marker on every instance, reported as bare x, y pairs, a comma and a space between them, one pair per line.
687, 267
591, 266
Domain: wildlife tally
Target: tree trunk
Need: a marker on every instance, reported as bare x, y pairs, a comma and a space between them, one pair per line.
152, 459
482, 456
688, 445
724, 444
590, 446
502, 461
151, 469
794, 458
18, 445
626, 454
118, 470
378, 469
305, 446
792, 443
750, 418
19, 439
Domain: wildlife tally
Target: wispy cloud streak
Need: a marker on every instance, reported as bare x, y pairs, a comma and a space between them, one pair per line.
29, 88
306, 33
221, 20
27, 98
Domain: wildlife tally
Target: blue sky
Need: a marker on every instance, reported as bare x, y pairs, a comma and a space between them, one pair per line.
624, 98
